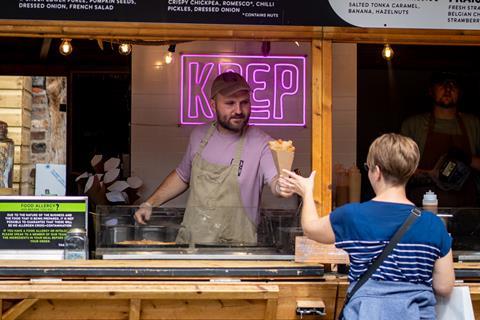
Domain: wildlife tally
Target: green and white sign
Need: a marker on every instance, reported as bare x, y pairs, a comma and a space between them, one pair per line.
39, 222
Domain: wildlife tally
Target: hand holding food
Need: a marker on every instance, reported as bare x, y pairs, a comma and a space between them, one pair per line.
283, 153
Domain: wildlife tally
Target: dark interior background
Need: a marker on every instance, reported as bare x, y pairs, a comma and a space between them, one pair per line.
98, 94
389, 92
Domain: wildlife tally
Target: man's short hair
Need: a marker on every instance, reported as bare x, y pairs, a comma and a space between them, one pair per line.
228, 83
397, 157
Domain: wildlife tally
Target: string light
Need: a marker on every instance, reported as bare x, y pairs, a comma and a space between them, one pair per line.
125, 48
169, 54
66, 47
387, 52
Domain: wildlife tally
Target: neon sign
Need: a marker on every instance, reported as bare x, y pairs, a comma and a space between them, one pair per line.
278, 87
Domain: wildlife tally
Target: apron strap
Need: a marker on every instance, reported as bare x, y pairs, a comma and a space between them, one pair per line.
207, 137
238, 149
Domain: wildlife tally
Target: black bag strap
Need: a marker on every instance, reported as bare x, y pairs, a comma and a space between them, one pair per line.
414, 214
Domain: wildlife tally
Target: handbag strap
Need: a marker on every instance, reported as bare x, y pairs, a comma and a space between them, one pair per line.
414, 214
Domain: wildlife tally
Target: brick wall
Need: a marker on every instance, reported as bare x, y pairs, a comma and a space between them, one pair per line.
48, 132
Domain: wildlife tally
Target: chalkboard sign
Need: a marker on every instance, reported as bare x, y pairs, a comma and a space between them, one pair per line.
424, 14
39, 223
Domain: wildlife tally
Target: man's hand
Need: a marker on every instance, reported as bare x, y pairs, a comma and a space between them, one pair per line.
143, 214
280, 189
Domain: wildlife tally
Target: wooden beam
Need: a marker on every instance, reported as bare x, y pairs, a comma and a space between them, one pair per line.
15, 311
271, 309
132, 290
326, 133
322, 123
135, 307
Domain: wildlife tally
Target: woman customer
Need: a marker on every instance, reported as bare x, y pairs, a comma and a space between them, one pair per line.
421, 263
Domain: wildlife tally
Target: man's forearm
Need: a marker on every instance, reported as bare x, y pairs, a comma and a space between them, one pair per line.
171, 187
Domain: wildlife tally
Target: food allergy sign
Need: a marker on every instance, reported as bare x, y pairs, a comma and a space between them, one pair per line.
428, 14
39, 222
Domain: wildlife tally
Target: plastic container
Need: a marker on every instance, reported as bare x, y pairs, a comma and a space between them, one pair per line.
430, 201
6, 157
76, 244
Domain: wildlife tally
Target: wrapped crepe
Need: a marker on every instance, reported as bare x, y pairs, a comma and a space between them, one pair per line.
283, 153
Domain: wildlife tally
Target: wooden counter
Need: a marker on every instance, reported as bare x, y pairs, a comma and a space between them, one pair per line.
169, 289
144, 290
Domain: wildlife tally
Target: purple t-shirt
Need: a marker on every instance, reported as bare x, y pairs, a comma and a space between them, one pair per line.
256, 162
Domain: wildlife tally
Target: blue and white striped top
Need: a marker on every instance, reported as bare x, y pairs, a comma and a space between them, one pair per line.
363, 230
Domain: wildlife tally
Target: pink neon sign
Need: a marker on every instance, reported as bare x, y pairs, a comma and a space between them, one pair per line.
278, 87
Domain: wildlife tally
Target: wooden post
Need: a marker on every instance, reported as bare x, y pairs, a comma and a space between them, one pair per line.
135, 307
322, 123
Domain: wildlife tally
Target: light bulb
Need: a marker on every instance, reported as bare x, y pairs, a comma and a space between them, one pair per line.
66, 47
125, 48
387, 52
168, 57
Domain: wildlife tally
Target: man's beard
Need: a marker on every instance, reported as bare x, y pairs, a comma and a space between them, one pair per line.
447, 105
228, 126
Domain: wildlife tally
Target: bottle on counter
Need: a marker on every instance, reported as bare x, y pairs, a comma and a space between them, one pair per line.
76, 244
354, 184
430, 201
6, 157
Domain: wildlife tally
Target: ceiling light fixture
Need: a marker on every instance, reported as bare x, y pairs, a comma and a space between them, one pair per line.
387, 52
169, 54
66, 47
125, 49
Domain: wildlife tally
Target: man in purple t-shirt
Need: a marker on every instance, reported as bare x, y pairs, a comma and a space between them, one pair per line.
226, 165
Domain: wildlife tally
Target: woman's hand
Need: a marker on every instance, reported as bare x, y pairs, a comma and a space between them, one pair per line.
298, 184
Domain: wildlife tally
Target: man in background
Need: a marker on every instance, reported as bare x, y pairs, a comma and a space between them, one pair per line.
449, 143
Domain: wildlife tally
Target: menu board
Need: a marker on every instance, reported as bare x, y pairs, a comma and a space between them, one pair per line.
429, 14
39, 222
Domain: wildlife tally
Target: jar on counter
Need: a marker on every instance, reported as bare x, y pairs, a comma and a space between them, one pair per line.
76, 244
6, 157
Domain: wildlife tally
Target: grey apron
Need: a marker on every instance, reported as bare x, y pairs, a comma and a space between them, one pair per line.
215, 213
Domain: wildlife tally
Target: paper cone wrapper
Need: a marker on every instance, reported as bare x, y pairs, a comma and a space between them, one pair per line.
283, 160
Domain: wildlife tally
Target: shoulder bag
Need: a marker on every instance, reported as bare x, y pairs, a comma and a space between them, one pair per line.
414, 214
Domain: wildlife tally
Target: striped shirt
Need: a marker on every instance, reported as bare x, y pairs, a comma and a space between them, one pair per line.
364, 229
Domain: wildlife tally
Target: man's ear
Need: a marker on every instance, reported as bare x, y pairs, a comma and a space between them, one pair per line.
213, 105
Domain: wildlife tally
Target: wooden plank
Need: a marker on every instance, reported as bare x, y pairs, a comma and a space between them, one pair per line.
87, 309
127, 290
11, 82
135, 307
8, 191
218, 309
271, 309
322, 123
17, 310
11, 98
316, 60
22, 155
326, 136
153, 264
19, 135
15, 117
290, 292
